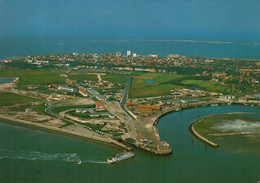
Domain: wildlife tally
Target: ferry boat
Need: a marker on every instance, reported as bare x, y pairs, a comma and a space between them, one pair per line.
120, 157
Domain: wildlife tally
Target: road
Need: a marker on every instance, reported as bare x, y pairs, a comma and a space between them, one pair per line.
125, 97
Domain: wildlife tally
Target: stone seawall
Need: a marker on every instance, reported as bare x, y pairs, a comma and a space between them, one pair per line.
62, 131
195, 133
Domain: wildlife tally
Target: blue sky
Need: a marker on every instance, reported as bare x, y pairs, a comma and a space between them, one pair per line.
132, 19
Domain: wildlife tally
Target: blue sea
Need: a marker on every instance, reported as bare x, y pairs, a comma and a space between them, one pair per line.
20, 47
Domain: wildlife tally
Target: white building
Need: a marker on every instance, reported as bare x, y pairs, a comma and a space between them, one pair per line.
134, 54
173, 55
67, 89
128, 53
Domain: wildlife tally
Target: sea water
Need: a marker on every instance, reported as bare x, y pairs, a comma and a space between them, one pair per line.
203, 48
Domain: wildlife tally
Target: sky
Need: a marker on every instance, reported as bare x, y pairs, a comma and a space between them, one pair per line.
131, 19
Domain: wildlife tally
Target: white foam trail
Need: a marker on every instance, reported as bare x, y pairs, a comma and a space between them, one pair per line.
96, 162
35, 155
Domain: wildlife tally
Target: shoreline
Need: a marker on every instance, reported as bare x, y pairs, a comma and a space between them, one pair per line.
9, 84
57, 130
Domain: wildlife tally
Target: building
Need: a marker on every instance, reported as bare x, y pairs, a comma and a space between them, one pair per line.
128, 53
227, 97
96, 94
67, 89
173, 55
134, 54
189, 101
83, 92
100, 106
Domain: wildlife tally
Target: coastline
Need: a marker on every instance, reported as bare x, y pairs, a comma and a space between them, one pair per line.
9, 84
57, 130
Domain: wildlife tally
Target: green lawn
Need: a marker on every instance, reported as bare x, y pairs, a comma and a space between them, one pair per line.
206, 85
40, 109
161, 86
164, 82
194, 82
115, 78
82, 77
21, 107
12, 99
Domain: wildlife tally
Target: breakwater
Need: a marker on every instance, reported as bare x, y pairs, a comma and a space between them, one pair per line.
203, 139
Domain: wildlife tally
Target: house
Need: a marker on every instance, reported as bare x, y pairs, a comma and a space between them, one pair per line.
83, 92
100, 106
67, 89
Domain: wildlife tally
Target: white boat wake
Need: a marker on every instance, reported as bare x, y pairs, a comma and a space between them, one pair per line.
35, 155
42, 156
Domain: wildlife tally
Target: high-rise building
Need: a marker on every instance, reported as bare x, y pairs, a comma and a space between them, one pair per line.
134, 54
128, 53
118, 54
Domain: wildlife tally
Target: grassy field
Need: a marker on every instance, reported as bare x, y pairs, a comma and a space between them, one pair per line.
161, 86
164, 82
40, 109
206, 85
82, 77
12, 99
36, 77
21, 107
115, 78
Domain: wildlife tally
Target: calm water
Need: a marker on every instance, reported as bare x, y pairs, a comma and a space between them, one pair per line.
6, 80
149, 81
28, 155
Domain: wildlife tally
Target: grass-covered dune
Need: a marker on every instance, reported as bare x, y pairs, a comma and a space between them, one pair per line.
7, 99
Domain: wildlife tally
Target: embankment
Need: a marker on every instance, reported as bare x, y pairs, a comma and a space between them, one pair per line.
61, 131
203, 139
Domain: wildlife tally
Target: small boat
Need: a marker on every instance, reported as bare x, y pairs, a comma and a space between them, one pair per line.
79, 163
178, 109
120, 157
